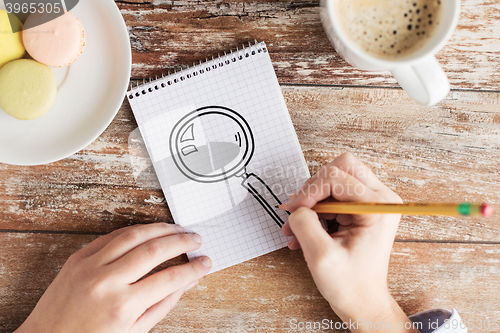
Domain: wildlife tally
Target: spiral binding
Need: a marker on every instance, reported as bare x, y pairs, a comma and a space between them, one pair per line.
196, 70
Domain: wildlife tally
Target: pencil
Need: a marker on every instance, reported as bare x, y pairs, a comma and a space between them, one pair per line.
433, 209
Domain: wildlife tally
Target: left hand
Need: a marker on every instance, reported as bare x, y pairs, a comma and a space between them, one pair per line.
101, 288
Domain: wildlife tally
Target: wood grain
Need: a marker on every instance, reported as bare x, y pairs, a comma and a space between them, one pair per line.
167, 35
266, 293
446, 153
93, 191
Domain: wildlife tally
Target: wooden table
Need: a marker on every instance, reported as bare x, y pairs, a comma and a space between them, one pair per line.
448, 152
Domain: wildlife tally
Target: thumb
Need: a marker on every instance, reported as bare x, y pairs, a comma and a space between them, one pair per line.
313, 239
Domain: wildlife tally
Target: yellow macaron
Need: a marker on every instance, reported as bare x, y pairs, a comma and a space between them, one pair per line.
28, 89
11, 44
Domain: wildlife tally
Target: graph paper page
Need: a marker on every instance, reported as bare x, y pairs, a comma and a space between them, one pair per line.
225, 151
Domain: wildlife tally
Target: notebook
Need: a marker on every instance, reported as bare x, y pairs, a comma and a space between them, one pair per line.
225, 151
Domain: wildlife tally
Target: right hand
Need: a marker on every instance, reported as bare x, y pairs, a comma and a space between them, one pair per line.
349, 266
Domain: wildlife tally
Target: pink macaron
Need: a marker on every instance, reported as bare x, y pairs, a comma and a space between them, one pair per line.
56, 43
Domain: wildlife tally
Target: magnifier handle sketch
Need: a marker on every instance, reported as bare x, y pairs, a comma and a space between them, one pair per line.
264, 196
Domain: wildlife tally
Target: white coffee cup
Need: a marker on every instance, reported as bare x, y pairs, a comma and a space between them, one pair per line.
419, 74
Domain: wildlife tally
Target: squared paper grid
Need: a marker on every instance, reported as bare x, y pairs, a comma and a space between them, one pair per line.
250, 87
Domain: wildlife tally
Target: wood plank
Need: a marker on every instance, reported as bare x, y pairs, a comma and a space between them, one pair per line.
446, 153
265, 293
28, 264
166, 35
93, 191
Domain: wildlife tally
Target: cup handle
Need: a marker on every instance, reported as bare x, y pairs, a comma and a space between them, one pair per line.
425, 81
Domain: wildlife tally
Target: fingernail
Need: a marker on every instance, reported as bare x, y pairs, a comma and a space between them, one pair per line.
179, 228
284, 205
191, 285
206, 261
196, 238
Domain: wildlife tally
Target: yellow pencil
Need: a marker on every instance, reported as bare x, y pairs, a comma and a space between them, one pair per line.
461, 209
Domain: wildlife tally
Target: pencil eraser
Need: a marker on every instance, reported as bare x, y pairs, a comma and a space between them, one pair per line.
486, 210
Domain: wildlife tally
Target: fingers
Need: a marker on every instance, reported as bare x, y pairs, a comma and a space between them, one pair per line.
97, 244
293, 244
309, 233
286, 229
327, 216
347, 164
333, 183
351, 165
156, 287
345, 220
305, 185
157, 312
132, 238
141, 260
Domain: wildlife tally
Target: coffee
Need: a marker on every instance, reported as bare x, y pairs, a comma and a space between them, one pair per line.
390, 29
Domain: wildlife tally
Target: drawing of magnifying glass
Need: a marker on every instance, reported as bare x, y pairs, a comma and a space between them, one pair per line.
215, 143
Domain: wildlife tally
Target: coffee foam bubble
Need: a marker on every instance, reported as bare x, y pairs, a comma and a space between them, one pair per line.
390, 29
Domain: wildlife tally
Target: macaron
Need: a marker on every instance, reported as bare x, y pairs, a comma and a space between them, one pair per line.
28, 89
11, 44
55, 42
